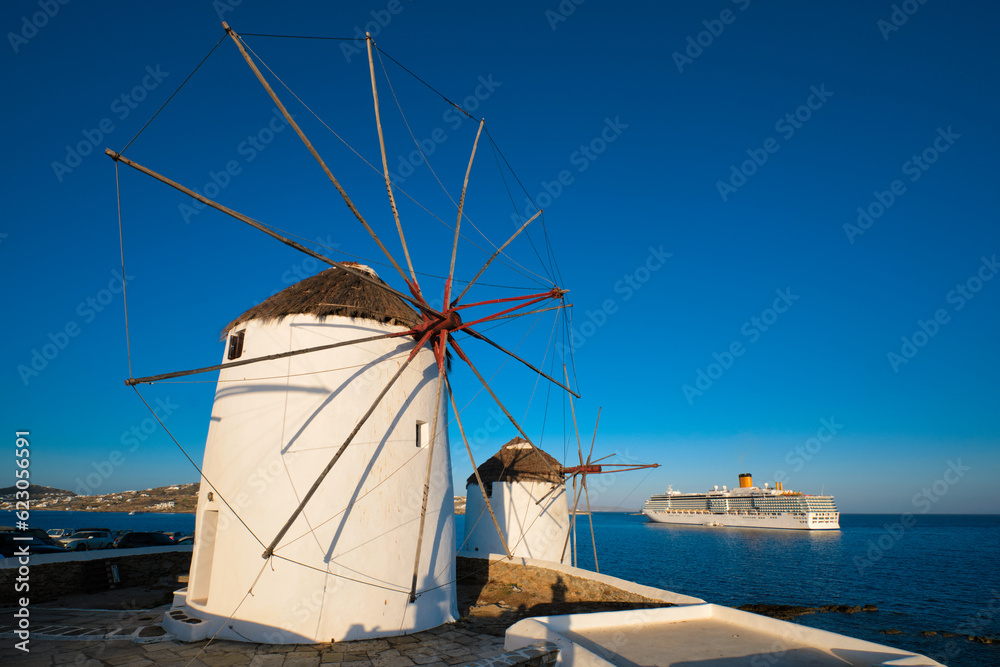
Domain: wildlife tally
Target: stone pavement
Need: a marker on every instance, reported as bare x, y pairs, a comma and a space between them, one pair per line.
122, 642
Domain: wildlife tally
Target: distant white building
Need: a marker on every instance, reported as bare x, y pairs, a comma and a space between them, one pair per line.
527, 490
344, 570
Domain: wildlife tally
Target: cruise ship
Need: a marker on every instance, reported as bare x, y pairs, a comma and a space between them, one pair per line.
746, 507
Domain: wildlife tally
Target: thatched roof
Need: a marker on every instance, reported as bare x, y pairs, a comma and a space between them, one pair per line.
518, 460
333, 292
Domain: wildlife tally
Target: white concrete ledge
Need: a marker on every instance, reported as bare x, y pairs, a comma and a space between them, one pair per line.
98, 554
739, 635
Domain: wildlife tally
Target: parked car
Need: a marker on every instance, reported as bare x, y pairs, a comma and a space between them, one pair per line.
189, 540
36, 546
88, 540
136, 540
42, 536
57, 533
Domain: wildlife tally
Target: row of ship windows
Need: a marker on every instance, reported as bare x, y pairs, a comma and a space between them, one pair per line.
833, 516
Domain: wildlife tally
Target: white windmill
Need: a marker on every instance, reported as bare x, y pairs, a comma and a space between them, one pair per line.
335, 389
523, 489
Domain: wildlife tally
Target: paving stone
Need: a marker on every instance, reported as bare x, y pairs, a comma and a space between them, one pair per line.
402, 640
355, 657
262, 660
70, 658
365, 645
297, 659
332, 655
172, 660
158, 648
393, 661
112, 651
33, 660
226, 659
270, 649
247, 651
196, 662
492, 652
388, 653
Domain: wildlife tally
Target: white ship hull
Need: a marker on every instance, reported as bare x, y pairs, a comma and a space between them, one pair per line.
788, 520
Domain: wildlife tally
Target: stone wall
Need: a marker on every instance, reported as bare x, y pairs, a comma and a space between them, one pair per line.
49, 580
560, 586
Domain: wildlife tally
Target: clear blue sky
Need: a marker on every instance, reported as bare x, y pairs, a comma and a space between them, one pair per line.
714, 158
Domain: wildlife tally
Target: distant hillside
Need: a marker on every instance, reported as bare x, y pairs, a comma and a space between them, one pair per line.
176, 498
34, 491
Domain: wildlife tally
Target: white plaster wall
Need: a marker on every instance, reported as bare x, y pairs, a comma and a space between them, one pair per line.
532, 530
275, 425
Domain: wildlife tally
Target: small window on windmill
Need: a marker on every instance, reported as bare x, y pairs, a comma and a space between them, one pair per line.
422, 433
236, 345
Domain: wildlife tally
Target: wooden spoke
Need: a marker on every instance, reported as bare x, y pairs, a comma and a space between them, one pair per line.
576, 497
494, 256
269, 551
256, 225
554, 293
475, 469
572, 409
586, 492
590, 517
270, 357
496, 399
430, 464
596, 424
458, 223
572, 530
385, 165
312, 150
578, 470
494, 316
548, 377
583, 476
533, 312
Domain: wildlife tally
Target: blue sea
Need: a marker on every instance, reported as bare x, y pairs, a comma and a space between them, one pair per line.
928, 572
936, 572
168, 523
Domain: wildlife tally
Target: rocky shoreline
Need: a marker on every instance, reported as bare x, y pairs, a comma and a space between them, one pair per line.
785, 612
